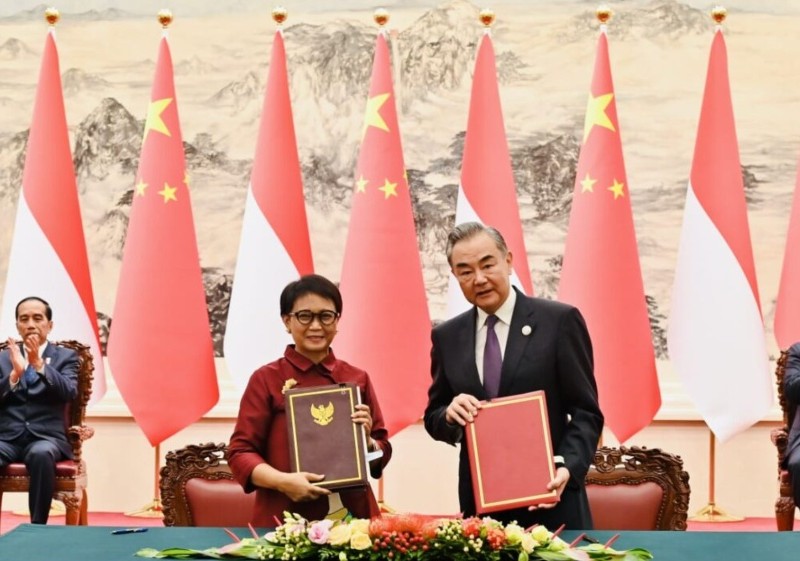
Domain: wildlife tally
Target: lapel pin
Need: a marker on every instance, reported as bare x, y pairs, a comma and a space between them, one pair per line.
526, 330
47, 360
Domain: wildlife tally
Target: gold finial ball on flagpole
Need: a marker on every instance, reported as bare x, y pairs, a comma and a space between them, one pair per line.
51, 15
279, 14
718, 14
486, 17
604, 14
381, 16
165, 18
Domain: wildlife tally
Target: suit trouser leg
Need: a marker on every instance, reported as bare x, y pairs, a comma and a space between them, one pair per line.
793, 465
8, 453
40, 458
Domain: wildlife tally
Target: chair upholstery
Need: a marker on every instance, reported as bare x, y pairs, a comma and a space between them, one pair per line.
198, 489
637, 489
71, 477
784, 504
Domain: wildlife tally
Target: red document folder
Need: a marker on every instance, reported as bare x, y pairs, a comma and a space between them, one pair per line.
510, 453
323, 438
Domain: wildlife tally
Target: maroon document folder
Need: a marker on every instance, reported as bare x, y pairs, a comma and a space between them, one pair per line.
323, 438
510, 453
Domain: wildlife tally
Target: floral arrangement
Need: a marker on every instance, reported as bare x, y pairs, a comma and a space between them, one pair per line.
405, 538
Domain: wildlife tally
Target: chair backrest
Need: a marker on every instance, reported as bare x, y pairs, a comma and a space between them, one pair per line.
75, 411
198, 489
638, 489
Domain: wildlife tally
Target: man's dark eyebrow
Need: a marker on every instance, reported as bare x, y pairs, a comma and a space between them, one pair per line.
482, 260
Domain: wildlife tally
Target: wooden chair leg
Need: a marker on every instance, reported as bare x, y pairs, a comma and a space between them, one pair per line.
784, 514
84, 517
73, 503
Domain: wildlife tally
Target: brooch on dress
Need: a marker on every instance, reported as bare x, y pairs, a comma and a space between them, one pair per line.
288, 384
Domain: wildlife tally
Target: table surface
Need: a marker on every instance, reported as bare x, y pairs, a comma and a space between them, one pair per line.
30, 542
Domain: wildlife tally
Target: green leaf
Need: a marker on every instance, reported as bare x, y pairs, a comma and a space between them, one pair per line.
548, 555
178, 553
637, 554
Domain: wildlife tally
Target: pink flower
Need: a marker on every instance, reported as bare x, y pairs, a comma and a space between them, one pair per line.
318, 531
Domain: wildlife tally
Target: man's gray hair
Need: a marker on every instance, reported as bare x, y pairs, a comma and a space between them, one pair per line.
468, 230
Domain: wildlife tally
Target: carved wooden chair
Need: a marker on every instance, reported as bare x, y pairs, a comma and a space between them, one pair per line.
71, 478
198, 489
784, 505
637, 489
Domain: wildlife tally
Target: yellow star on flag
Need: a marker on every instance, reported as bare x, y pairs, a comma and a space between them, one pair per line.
389, 189
617, 189
372, 117
587, 184
596, 114
154, 121
168, 193
140, 188
186, 180
361, 184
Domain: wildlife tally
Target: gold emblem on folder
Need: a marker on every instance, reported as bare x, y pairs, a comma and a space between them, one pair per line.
323, 414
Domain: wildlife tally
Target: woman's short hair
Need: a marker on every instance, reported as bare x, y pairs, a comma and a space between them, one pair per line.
310, 284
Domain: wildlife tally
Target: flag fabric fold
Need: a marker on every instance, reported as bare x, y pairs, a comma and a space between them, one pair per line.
601, 273
487, 192
48, 255
160, 350
716, 332
385, 325
787, 306
275, 248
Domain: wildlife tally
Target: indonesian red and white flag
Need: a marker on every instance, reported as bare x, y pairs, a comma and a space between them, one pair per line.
275, 248
487, 193
48, 253
385, 326
601, 273
716, 332
787, 307
160, 350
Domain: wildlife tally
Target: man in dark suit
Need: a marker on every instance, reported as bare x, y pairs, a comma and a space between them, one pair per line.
37, 380
540, 345
791, 389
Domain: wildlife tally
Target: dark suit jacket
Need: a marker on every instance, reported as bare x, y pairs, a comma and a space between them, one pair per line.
41, 407
791, 389
555, 357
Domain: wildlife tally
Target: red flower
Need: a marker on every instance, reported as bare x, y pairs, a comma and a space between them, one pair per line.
496, 538
472, 527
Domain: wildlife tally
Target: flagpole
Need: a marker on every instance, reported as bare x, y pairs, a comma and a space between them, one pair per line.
153, 509
397, 68
711, 512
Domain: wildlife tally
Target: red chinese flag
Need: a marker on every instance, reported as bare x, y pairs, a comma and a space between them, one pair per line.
601, 273
787, 308
159, 349
385, 326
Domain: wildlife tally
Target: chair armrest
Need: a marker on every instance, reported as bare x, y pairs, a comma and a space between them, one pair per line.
76, 435
779, 437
